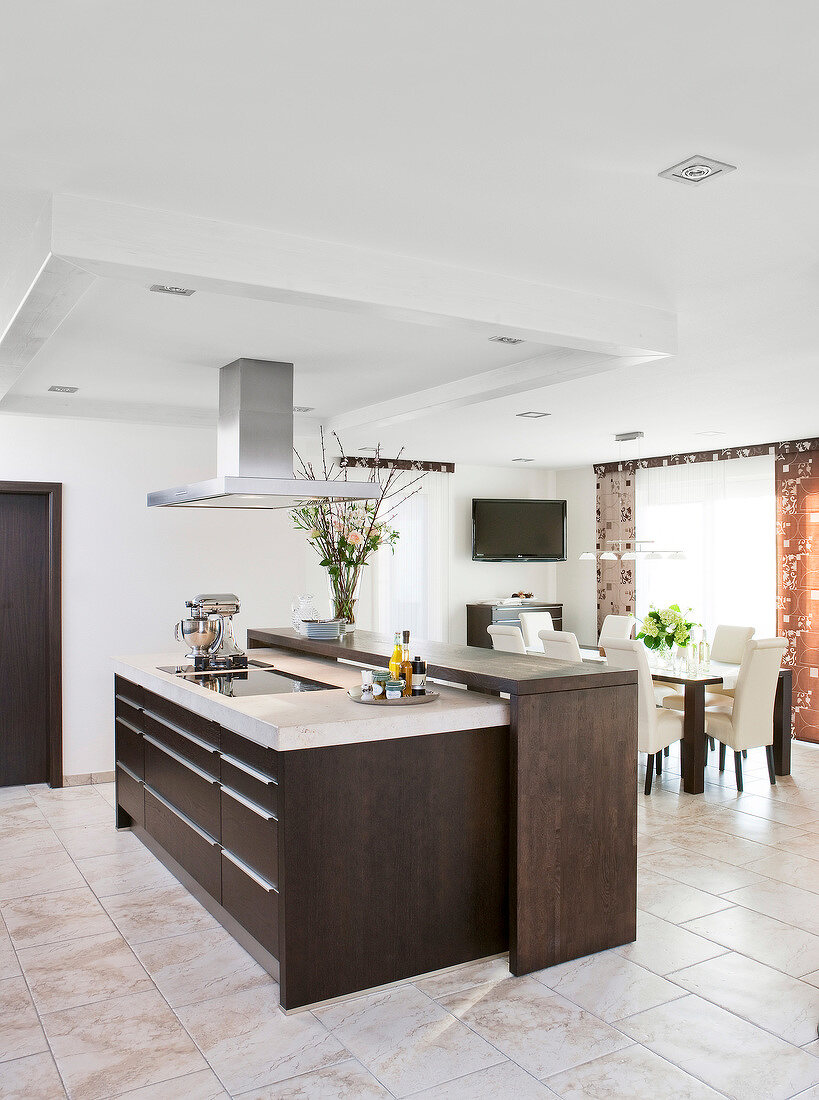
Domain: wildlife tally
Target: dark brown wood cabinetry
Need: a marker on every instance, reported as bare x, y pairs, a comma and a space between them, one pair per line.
481, 615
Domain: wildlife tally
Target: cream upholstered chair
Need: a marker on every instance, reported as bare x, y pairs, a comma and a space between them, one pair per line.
656, 728
615, 626
506, 637
561, 645
531, 623
728, 647
746, 720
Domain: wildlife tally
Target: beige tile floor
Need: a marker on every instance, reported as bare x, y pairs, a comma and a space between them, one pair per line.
115, 982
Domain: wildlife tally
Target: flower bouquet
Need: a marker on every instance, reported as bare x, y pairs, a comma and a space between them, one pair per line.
666, 627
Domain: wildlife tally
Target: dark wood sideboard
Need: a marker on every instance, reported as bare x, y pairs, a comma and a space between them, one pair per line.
481, 615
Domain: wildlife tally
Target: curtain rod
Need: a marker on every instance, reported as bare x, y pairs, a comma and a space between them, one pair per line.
777, 450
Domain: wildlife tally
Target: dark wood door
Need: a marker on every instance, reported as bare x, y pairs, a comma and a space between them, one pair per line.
26, 624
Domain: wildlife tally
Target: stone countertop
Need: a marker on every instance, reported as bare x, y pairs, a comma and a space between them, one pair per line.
313, 719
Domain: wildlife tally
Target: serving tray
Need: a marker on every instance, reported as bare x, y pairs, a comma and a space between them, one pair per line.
404, 701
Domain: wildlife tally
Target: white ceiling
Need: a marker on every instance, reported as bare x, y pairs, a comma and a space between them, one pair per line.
516, 137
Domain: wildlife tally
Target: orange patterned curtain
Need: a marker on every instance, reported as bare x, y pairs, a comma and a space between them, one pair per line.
616, 580
797, 544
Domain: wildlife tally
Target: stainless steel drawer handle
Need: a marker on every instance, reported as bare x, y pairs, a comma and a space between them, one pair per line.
186, 820
181, 760
127, 770
265, 885
130, 702
254, 806
128, 725
182, 733
246, 768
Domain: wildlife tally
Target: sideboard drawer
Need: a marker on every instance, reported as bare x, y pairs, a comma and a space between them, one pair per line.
182, 839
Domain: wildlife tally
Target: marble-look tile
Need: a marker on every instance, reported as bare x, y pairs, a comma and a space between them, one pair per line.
14, 796
664, 947
763, 996
727, 1053
636, 1073
702, 871
249, 1042
28, 841
674, 901
769, 941
20, 820
20, 1031
154, 914
24, 875
786, 903
106, 791
608, 985
71, 815
771, 809
125, 872
796, 870
786, 789
812, 978
805, 845
62, 915
345, 1081
62, 796
31, 1078
97, 840
651, 844
202, 1085
77, 972
505, 1080
718, 844
114, 1046
9, 967
540, 1030
749, 827
199, 966
408, 1041
465, 977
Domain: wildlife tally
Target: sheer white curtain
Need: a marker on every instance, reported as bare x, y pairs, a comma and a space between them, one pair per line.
722, 515
411, 587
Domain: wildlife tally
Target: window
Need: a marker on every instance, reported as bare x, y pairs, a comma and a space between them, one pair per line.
722, 515
412, 585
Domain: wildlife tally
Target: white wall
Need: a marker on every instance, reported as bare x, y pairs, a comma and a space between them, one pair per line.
577, 580
128, 569
471, 581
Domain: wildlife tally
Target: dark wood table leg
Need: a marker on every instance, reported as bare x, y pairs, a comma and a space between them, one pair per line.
694, 738
782, 723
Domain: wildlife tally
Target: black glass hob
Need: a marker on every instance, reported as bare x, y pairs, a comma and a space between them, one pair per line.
256, 679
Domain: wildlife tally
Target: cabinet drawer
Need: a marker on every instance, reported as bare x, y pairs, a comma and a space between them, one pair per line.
250, 782
129, 749
130, 795
251, 833
261, 759
185, 744
125, 708
132, 692
253, 902
190, 790
185, 720
198, 853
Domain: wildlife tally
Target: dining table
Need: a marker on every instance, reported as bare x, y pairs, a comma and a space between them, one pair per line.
695, 686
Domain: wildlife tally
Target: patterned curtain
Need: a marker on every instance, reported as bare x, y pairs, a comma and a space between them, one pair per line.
616, 580
797, 544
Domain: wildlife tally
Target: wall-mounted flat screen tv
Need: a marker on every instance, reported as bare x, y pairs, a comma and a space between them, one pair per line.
518, 530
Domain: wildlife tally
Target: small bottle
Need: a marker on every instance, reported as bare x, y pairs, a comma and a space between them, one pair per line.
705, 653
406, 664
397, 658
419, 677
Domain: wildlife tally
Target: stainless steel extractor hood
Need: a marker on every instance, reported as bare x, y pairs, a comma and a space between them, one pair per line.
254, 459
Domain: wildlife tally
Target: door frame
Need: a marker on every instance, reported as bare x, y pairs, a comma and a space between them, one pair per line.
54, 491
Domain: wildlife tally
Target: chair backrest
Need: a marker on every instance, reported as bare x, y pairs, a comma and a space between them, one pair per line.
729, 643
615, 626
754, 695
506, 637
561, 645
629, 653
531, 623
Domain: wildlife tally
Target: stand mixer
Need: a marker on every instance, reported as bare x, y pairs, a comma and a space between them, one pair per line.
209, 631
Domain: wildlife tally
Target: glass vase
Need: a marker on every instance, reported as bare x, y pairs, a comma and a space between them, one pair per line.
343, 590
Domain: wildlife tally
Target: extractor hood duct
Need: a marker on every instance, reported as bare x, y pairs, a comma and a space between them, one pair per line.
254, 459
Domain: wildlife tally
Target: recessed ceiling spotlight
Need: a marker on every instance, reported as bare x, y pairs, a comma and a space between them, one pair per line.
710, 433
63, 389
523, 460
164, 288
697, 169
506, 340
533, 415
303, 409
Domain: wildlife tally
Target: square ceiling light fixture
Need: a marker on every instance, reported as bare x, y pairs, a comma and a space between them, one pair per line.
506, 340
697, 169
532, 415
165, 288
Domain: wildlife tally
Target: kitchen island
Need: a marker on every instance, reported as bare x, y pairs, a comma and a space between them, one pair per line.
347, 847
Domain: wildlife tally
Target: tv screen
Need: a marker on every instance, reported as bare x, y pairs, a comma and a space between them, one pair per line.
518, 530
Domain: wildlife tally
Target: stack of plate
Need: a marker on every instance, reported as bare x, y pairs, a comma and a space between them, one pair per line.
323, 628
